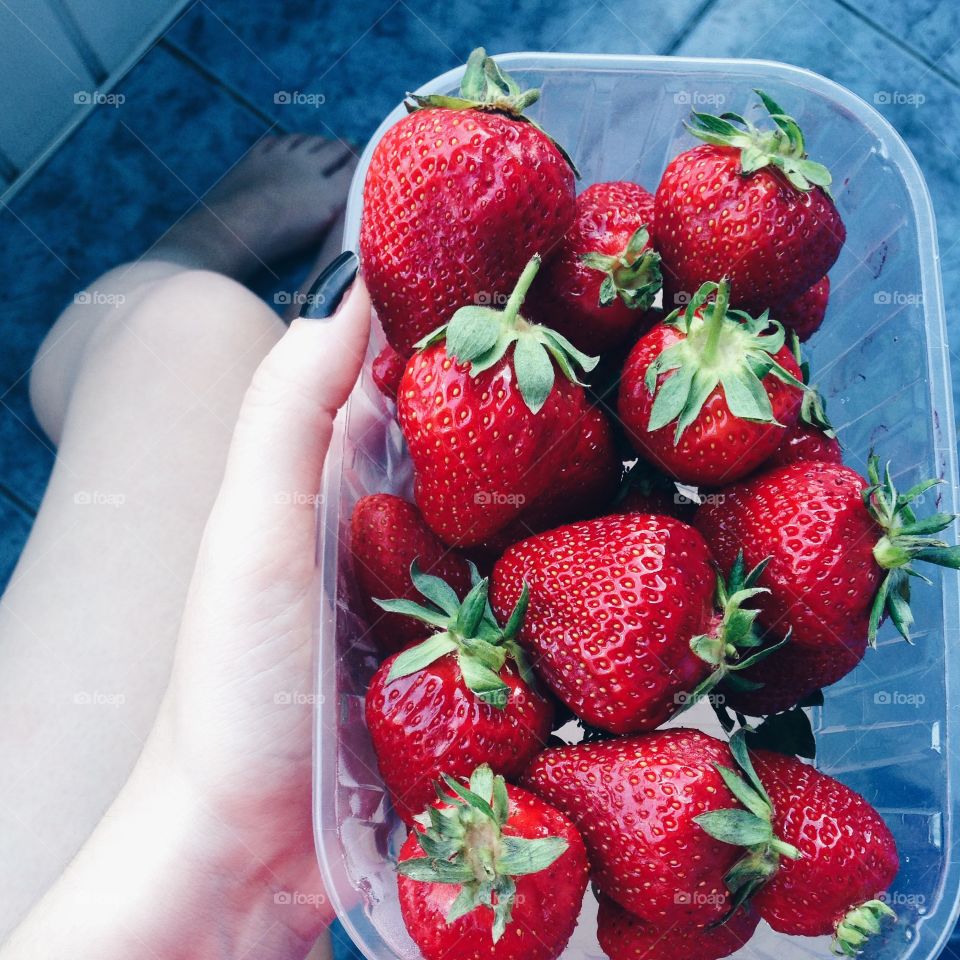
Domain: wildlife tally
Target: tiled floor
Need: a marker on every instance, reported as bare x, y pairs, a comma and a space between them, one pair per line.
205, 93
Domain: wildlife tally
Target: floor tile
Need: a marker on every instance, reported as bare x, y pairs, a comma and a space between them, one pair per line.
360, 61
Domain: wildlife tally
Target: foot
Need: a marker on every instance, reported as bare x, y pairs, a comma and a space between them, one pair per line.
280, 198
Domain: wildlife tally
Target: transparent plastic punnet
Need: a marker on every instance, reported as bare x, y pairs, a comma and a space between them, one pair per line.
887, 730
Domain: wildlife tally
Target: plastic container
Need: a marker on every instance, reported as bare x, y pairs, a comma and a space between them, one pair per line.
888, 729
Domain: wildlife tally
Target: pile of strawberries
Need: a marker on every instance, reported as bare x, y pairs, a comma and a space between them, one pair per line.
549, 569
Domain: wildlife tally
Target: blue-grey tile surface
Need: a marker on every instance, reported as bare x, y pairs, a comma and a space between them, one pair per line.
215, 84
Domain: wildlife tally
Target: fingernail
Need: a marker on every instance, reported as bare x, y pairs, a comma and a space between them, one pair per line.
328, 289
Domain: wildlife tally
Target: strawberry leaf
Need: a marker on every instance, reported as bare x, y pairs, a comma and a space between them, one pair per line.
738, 827
535, 373
471, 332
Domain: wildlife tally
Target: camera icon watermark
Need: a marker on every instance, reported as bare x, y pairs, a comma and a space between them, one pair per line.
99, 298
298, 98
699, 98
897, 298
88, 98
96, 698
98, 498
897, 698
497, 498
899, 98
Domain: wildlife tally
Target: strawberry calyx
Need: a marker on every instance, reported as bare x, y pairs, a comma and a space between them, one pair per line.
858, 925
813, 408
464, 845
722, 348
905, 539
486, 87
466, 628
735, 635
633, 275
751, 828
481, 336
782, 147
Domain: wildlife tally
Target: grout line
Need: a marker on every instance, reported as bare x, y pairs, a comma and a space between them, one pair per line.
897, 41
81, 44
189, 60
692, 21
15, 500
70, 127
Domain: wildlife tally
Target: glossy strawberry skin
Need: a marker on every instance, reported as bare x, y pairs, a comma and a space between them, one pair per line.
430, 723
547, 903
810, 519
804, 315
484, 465
849, 854
386, 535
771, 240
454, 204
633, 801
387, 371
624, 936
567, 295
804, 442
717, 447
613, 604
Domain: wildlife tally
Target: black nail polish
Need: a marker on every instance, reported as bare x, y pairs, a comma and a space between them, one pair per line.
328, 289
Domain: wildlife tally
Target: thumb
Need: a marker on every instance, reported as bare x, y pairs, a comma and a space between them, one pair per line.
265, 510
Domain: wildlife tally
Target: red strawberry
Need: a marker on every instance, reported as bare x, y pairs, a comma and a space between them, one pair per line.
812, 437
387, 370
623, 936
637, 802
492, 873
453, 701
708, 395
387, 535
498, 441
849, 857
458, 196
749, 206
839, 855
620, 622
805, 314
837, 565
600, 282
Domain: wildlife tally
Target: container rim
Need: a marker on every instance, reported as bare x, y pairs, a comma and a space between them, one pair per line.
944, 450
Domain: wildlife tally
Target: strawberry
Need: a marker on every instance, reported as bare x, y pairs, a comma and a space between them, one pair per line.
812, 437
843, 857
637, 803
805, 314
491, 872
462, 697
623, 936
620, 622
498, 442
708, 395
458, 195
599, 283
387, 369
387, 534
747, 205
841, 555
849, 857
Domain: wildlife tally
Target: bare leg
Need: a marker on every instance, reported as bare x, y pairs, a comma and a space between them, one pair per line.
139, 388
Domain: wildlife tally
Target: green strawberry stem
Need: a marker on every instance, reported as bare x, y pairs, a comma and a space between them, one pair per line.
905, 539
721, 348
632, 275
781, 148
749, 826
486, 87
714, 323
733, 646
464, 845
467, 629
858, 925
813, 410
480, 336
